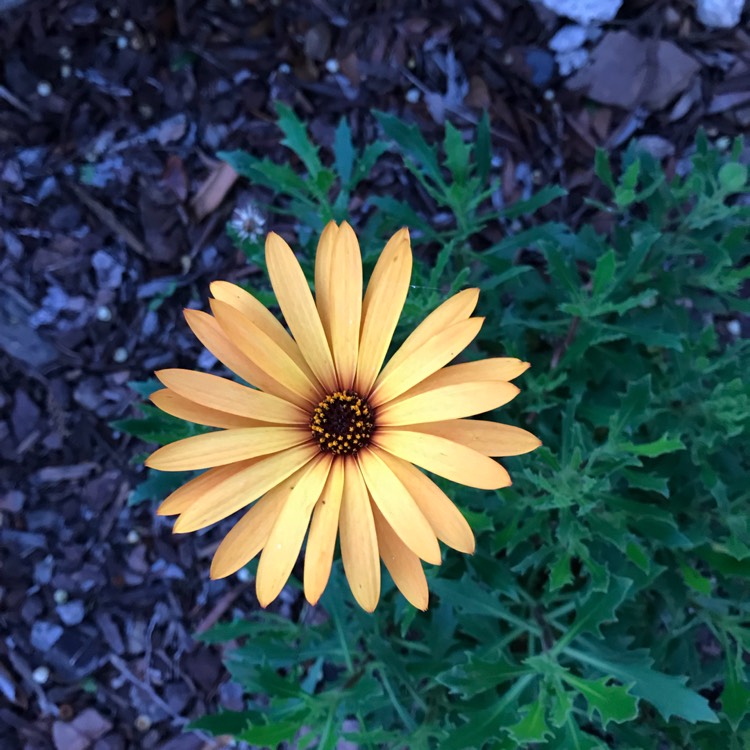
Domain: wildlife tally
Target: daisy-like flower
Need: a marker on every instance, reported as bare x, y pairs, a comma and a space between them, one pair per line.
326, 442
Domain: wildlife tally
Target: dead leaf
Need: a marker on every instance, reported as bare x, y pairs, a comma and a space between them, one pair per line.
627, 72
213, 190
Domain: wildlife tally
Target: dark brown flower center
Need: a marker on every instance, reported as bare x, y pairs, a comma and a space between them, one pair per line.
342, 423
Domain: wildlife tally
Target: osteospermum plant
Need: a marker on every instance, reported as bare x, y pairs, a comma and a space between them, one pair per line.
326, 439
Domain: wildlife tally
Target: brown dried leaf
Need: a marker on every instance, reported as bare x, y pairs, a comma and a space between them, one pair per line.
213, 190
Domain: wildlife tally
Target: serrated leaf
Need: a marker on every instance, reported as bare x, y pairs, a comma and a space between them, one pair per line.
457, 154
611, 702
603, 169
297, 139
271, 735
484, 670
735, 700
655, 448
560, 573
533, 726
666, 693
599, 608
343, 151
604, 272
225, 722
530, 206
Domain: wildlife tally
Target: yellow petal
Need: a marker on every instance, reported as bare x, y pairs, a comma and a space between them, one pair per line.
264, 351
325, 275
444, 517
402, 563
490, 438
444, 458
242, 488
437, 352
381, 309
496, 369
359, 542
398, 506
297, 304
345, 295
194, 490
455, 309
225, 447
449, 402
321, 540
208, 331
183, 408
230, 397
250, 534
285, 541
261, 317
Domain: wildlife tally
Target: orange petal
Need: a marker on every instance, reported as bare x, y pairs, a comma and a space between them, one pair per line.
230, 397
250, 534
437, 352
455, 309
261, 317
321, 540
208, 331
285, 541
297, 304
498, 369
183, 408
345, 296
381, 309
194, 490
325, 275
490, 438
359, 542
242, 488
225, 447
444, 517
398, 506
402, 563
264, 351
448, 402
444, 458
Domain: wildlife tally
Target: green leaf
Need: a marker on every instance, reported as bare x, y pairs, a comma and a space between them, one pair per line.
343, 151
603, 169
271, 735
655, 448
483, 148
611, 702
157, 485
695, 580
484, 670
604, 273
533, 726
456, 154
530, 206
225, 722
666, 693
297, 139
733, 177
409, 138
144, 388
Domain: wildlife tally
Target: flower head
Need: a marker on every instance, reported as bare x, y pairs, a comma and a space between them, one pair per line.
326, 442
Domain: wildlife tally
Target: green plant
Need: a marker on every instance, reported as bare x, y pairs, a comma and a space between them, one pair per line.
607, 602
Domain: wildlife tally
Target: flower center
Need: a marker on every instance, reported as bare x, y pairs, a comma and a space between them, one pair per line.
342, 423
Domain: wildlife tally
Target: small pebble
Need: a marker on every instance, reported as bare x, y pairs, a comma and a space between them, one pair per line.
60, 596
243, 574
734, 327
128, 25
65, 52
103, 313
412, 96
122, 42
65, 71
40, 675
120, 355
284, 68
723, 143
332, 65
133, 537
44, 88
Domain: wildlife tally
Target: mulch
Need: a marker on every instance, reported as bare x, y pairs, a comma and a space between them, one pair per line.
110, 117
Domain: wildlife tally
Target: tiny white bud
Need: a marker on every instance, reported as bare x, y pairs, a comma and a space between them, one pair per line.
734, 327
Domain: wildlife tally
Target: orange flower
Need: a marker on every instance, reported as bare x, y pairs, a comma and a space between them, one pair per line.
326, 439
